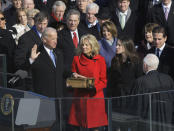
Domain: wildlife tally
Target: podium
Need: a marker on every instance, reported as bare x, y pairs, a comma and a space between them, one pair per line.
22, 108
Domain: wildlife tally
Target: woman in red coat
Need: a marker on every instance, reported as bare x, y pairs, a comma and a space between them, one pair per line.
88, 111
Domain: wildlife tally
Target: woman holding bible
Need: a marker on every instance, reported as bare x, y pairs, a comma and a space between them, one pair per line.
88, 111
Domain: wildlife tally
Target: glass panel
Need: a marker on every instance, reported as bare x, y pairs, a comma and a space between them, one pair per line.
162, 111
145, 112
3, 69
127, 113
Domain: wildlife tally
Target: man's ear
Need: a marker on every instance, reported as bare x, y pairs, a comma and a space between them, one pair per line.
165, 38
43, 39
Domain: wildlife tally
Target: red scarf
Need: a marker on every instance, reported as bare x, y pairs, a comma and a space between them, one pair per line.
56, 17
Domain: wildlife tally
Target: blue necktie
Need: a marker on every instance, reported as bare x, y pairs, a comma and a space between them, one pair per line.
52, 57
158, 52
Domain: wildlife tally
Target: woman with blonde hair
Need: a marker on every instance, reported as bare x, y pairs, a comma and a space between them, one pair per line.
21, 26
86, 112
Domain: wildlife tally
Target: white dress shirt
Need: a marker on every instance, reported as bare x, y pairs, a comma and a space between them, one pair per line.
72, 35
160, 49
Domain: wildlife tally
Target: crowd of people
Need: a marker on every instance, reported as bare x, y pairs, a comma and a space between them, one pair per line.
108, 40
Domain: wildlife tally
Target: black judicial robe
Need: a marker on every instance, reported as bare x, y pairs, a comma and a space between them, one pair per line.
159, 85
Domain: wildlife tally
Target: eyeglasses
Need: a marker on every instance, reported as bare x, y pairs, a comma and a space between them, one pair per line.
2, 18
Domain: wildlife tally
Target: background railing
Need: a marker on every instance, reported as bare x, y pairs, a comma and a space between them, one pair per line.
26, 110
140, 112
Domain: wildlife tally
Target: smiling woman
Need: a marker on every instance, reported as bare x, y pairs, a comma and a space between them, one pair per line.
21, 26
88, 63
147, 43
108, 41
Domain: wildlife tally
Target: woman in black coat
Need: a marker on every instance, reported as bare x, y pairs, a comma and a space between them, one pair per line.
125, 68
7, 44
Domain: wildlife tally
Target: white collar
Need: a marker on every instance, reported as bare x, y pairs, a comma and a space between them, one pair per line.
47, 50
40, 34
73, 32
125, 13
162, 47
92, 24
168, 6
72, 35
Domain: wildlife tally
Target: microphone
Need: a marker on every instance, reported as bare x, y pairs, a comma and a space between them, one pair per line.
19, 74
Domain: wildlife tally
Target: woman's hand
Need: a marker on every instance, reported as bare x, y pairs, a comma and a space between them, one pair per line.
76, 75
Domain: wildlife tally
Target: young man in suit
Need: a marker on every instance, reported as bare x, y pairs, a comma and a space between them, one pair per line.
163, 14
163, 51
125, 19
27, 41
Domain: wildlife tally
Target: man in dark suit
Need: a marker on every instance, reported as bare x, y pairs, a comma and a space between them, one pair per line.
125, 19
163, 14
27, 41
81, 7
163, 51
47, 69
159, 84
57, 19
91, 24
47, 65
69, 37
44, 5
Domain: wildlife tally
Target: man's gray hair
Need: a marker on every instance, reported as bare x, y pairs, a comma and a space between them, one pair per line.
47, 31
152, 61
92, 6
72, 12
56, 4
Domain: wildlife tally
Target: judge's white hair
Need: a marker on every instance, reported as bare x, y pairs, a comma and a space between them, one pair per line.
152, 61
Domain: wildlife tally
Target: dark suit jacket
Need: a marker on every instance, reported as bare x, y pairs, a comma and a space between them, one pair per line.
130, 28
65, 43
25, 44
44, 7
156, 15
93, 30
121, 79
165, 60
47, 79
134, 4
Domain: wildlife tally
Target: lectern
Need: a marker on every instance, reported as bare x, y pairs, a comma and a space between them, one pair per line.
22, 108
